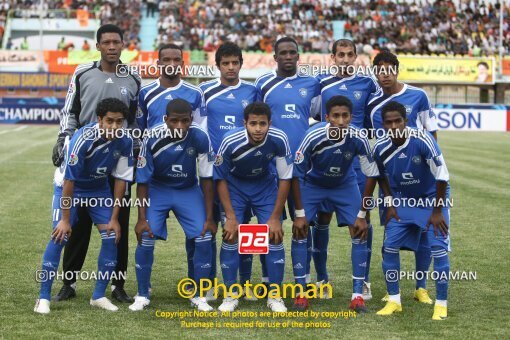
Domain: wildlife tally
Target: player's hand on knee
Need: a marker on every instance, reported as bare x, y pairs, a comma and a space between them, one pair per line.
58, 151
275, 231
300, 228
391, 212
438, 222
230, 229
141, 227
360, 228
62, 229
210, 226
114, 226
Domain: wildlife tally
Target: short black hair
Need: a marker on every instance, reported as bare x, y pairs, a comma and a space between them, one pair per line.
169, 47
178, 106
338, 101
111, 105
257, 108
343, 43
386, 57
109, 28
228, 49
393, 106
284, 40
483, 63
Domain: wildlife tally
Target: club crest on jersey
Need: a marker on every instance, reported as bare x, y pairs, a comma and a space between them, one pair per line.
191, 151
348, 155
219, 160
116, 154
244, 102
73, 159
416, 159
141, 162
303, 92
139, 113
123, 91
409, 109
299, 157
357, 95
270, 155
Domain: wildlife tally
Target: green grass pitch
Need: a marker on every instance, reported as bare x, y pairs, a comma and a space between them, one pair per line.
478, 164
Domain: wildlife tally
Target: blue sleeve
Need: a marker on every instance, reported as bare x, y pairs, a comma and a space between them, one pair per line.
76, 156
142, 114
145, 164
379, 162
303, 159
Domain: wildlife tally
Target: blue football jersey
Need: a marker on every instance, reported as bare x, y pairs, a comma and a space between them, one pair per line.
90, 159
357, 88
293, 100
237, 159
225, 107
418, 109
154, 98
329, 163
414, 167
167, 162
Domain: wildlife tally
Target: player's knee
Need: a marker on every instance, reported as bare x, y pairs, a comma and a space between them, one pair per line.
297, 237
230, 242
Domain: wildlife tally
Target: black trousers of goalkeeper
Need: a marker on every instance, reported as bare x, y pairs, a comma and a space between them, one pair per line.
78, 244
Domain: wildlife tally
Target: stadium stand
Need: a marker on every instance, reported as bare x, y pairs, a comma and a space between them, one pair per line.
439, 27
125, 14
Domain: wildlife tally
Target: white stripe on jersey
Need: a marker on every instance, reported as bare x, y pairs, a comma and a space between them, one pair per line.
384, 102
219, 93
339, 81
309, 137
272, 88
427, 139
231, 139
403, 146
280, 134
97, 148
169, 89
151, 90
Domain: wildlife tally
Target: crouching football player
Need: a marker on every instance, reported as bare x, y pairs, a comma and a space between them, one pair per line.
417, 172
91, 156
166, 174
324, 175
245, 180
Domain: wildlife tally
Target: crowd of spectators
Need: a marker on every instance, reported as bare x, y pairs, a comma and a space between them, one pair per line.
125, 14
463, 27
460, 27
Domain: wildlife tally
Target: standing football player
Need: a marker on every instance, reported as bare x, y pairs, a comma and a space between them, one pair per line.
225, 100
293, 99
419, 115
356, 85
155, 96
166, 174
324, 175
415, 167
245, 179
92, 155
91, 83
